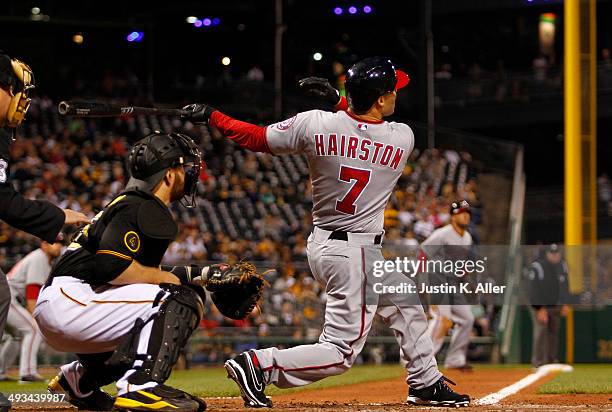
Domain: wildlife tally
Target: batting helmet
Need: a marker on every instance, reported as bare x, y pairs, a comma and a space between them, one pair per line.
18, 79
153, 155
460, 206
369, 79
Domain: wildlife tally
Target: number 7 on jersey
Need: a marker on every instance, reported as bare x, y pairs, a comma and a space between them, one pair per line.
361, 178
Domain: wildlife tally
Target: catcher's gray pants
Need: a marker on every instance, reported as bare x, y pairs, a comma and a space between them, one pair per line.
342, 267
5, 301
545, 337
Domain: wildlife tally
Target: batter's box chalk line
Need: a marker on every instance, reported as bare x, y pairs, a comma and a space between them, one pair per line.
493, 398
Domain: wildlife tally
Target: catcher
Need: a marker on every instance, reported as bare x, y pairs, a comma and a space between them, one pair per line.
109, 301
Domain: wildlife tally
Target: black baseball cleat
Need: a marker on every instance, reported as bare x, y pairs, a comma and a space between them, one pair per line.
249, 377
438, 394
97, 400
31, 378
161, 398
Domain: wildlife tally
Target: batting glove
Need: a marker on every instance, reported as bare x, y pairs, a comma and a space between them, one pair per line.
197, 112
320, 88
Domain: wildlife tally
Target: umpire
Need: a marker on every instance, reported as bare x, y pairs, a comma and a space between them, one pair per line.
39, 218
547, 288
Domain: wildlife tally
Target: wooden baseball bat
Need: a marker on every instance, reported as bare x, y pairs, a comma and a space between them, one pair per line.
98, 109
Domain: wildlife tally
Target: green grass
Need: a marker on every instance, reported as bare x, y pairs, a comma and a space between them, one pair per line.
583, 379
213, 382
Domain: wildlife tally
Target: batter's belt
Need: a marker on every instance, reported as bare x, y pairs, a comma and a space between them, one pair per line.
321, 235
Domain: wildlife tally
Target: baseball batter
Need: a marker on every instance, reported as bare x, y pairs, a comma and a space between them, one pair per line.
25, 280
455, 235
355, 159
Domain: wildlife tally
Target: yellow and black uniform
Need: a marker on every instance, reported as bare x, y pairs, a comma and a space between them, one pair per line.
136, 225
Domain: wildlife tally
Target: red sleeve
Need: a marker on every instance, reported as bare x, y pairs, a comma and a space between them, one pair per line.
247, 135
342, 105
32, 291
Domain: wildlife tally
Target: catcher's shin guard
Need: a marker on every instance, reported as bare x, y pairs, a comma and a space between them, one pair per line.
177, 318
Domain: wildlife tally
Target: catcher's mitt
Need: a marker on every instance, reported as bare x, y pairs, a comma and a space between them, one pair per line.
236, 289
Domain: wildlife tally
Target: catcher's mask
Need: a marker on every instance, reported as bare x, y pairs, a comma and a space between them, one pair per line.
153, 155
19, 79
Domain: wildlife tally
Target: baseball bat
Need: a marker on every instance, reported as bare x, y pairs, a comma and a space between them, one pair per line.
98, 109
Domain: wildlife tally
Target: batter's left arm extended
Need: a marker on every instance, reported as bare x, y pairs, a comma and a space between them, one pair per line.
246, 135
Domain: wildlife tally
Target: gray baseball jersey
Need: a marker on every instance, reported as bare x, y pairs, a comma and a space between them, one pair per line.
445, 236
354, 165
34, 268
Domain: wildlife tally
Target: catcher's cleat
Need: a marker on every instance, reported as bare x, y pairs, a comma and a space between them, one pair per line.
249, 377
160, 398
438, 394
97, 400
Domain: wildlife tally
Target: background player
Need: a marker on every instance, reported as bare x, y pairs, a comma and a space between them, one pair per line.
39, 218
108, 295
455, 235
355, 159
25, 280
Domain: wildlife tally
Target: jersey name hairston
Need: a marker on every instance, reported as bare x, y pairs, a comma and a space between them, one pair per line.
361, 148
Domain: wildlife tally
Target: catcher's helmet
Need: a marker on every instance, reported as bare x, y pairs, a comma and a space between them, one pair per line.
369, 79
460, 206
153, 155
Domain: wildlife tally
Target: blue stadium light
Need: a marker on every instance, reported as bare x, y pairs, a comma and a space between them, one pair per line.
197, 23
216, 21
206, 22
367, 9
338, 11
135, 36
352, 9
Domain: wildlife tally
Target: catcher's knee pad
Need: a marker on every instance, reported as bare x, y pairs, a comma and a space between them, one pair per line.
177, 318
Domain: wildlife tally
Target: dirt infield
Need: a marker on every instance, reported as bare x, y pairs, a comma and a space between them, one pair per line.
389, 395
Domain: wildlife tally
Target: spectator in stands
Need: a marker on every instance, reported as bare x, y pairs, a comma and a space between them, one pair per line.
501, 82
475, 85
606, 59
604, 189
409, 239
540, 68
255, 74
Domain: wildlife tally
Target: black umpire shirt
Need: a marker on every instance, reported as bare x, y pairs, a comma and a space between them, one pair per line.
37, 217
547, 283
135, 225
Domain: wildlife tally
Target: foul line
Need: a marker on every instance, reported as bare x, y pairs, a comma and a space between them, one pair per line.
542, 371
